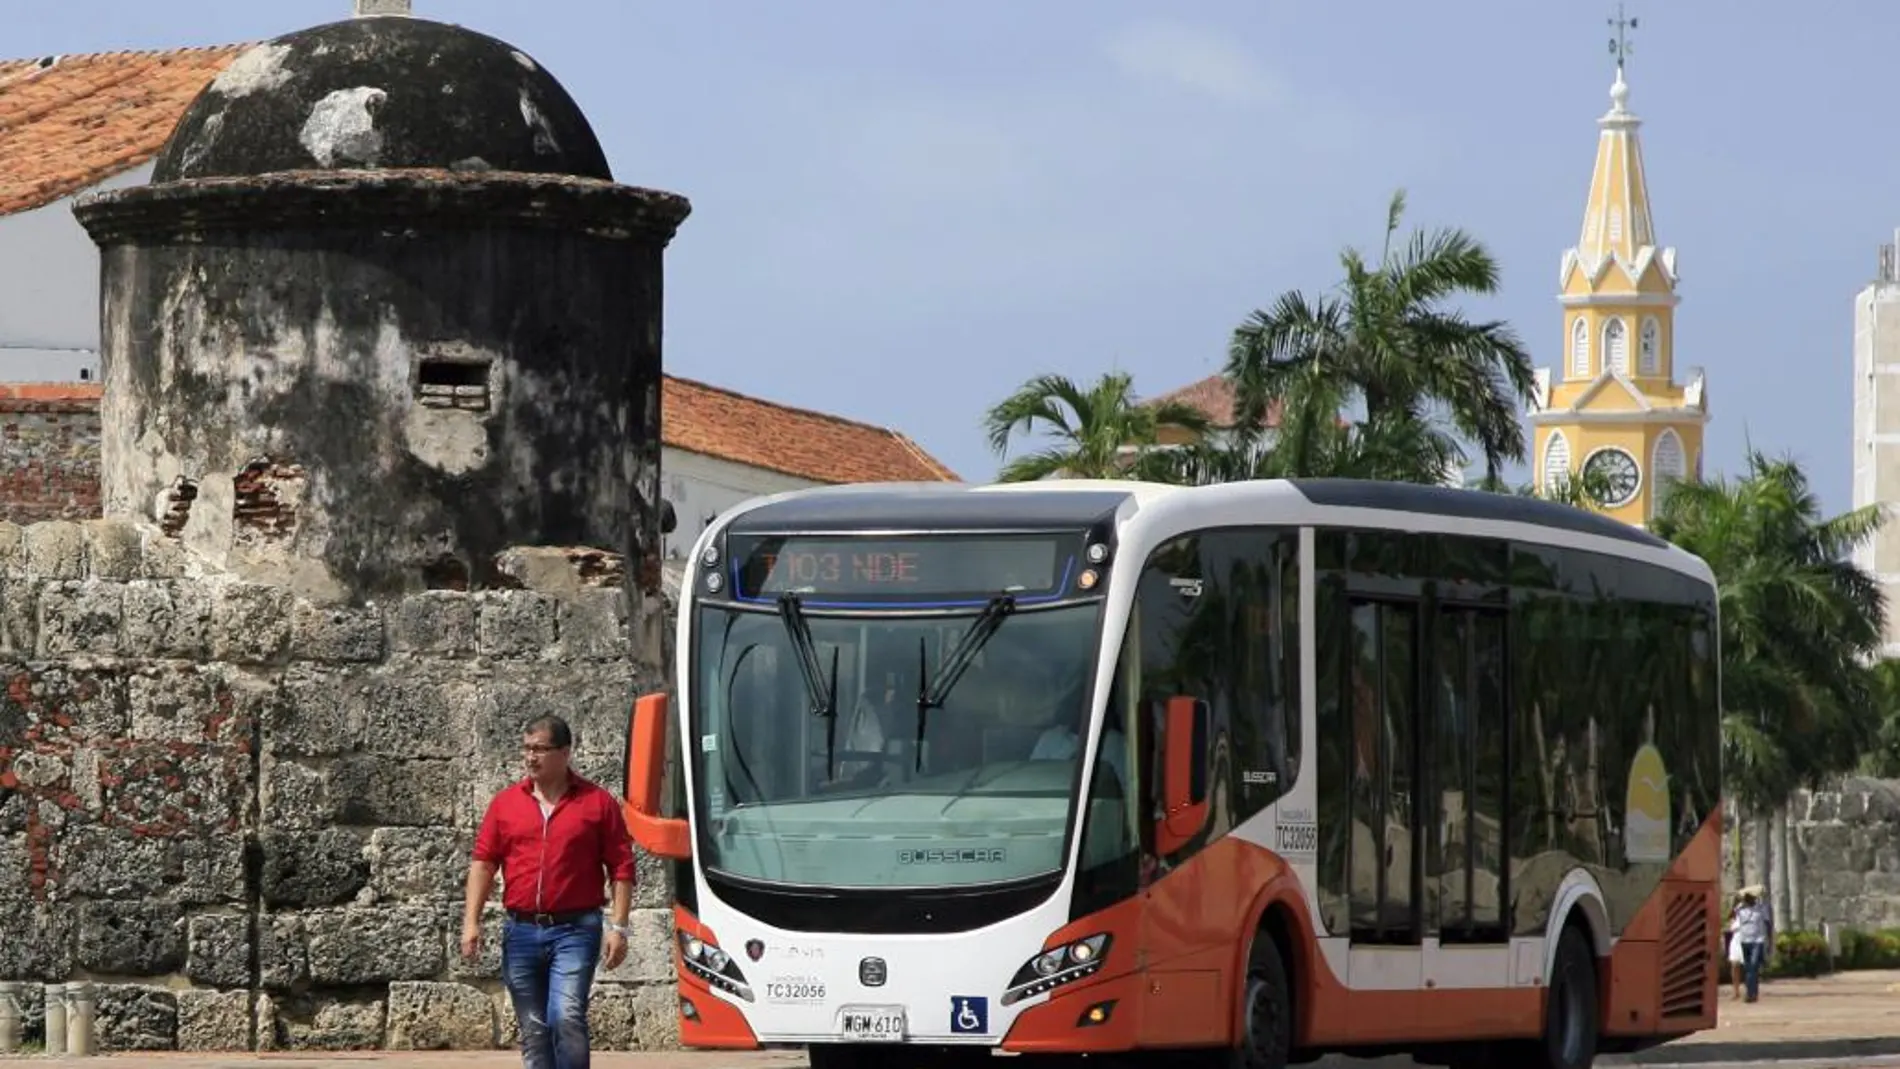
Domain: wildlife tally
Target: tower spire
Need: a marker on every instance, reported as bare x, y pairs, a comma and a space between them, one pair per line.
1620, 49
1615, 405
1616, 220
1620, 44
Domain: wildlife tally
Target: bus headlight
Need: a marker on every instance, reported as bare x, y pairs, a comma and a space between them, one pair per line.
1057, 966
713, 965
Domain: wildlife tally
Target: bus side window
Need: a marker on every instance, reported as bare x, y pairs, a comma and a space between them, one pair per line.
1111, 821
1247, 618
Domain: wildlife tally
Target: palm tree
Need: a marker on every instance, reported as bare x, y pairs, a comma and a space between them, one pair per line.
1104, 432
1799, 624
1800, 620
1385, 340
1582, 489
1883, 758
1312, 441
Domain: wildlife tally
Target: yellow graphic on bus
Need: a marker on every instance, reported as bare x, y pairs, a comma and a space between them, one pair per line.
1646, 827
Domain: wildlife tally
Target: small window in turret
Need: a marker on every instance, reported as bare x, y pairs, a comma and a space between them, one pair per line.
459, 384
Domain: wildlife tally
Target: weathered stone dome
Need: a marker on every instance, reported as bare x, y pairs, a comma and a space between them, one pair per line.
382, 93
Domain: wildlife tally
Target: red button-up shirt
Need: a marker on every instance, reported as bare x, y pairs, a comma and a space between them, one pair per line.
562, 863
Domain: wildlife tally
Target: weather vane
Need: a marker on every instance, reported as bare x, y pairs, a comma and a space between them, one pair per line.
1620, 44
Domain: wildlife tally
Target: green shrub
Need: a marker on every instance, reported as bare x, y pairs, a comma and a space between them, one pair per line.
1858, 949
1887, 956
1804, 953
1870, 950
1797, 954
1852, 949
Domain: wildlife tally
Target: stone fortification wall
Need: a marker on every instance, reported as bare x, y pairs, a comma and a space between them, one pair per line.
1846, 841
247, 818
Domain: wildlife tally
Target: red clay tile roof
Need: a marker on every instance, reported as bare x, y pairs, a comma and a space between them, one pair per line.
811, 445
71, 124
49, 391
1214, 397
703, 419
78, 120
22, 397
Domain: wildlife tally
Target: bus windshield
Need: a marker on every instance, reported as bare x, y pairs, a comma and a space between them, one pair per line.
850, 751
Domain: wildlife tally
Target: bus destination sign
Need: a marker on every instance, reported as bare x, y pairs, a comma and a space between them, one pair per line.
903, 568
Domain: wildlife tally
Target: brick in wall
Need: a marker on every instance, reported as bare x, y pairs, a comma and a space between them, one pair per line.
49, 459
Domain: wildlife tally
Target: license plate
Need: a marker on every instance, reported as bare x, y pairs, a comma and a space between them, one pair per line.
872, 1023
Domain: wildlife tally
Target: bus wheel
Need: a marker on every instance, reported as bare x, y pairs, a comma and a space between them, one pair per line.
1266, 1037
1570, 1014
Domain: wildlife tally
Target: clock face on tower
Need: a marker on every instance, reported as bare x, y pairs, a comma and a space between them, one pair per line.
1618, 473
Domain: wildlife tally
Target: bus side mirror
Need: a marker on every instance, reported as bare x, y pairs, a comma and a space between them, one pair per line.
1184, 790
660, 836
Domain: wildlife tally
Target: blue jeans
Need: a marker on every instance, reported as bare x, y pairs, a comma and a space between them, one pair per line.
1752, 954
548, 973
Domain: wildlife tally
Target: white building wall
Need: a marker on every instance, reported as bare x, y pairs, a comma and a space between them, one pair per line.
49, 291
701, 487
1876, 422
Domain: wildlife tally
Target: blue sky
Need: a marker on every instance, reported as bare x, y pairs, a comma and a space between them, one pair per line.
902, 210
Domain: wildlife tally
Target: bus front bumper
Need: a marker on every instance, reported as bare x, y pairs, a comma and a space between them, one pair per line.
1100, 1017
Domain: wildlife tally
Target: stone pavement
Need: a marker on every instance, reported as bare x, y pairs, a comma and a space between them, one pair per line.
1844, 1016
400, 1059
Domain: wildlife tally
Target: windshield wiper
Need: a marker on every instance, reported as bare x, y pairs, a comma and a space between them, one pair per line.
824, 699
931, 694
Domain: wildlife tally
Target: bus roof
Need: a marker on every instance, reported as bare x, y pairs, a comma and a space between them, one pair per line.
1075, 503
938, 506
1470, 505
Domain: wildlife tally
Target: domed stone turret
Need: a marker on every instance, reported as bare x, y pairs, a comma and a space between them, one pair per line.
381, 315
382, 93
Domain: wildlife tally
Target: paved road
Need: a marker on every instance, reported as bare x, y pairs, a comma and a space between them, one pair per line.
1822, 1063
1617, 1063
775, 1060
1845, 1021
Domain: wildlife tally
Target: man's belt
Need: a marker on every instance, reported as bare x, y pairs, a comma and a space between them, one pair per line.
548, 920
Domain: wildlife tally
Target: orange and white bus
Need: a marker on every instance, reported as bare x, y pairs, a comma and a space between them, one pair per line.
1268, 769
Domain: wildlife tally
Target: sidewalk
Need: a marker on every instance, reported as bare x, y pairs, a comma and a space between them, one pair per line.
404, 1059
1844, 1015
1841, 1016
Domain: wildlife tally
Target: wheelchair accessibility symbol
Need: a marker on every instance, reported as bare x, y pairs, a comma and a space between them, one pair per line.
969, 1015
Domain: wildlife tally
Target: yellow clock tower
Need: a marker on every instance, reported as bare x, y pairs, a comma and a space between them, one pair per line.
1615, 408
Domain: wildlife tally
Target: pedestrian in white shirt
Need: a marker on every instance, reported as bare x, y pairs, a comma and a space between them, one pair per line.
1752, 930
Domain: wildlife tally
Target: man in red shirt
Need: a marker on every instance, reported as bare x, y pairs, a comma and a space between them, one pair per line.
557, 839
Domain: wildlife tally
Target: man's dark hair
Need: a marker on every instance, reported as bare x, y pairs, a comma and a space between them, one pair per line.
558, 732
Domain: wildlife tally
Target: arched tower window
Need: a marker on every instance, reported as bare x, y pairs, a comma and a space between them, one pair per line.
1579, 350
1616, 346
1650, 360
1556, 461
1616, 223
1669, 461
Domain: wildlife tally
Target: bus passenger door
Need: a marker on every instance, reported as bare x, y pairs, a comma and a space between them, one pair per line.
1464, 867
1465, 863
1382, 868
